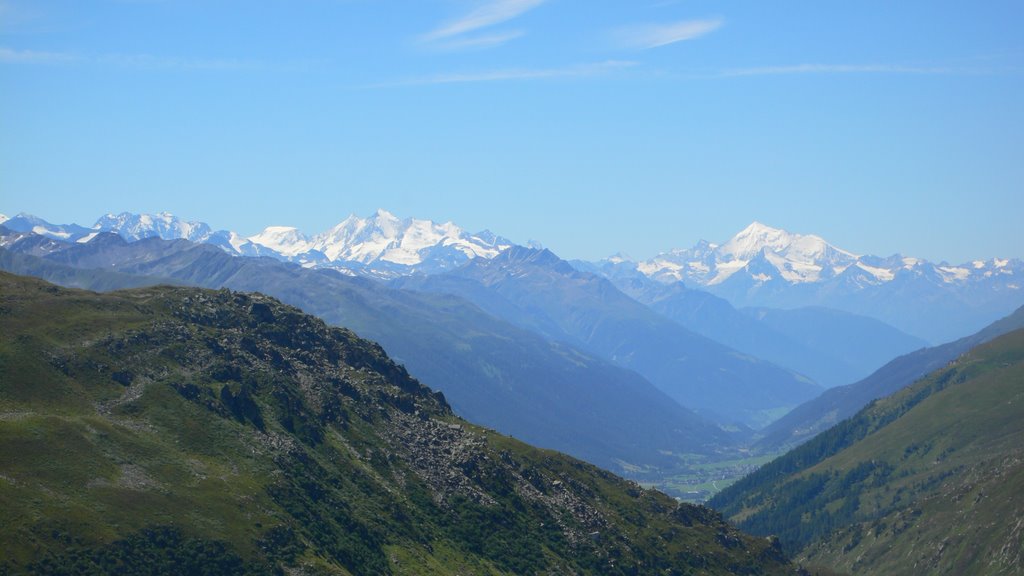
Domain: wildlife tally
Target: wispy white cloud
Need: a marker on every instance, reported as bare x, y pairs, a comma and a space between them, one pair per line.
511, 74
10, 55
487, 14
646, 36
151, 62
136, 61
841, 69
459, 34
478, 42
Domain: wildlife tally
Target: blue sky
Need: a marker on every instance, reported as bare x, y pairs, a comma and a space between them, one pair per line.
591, 126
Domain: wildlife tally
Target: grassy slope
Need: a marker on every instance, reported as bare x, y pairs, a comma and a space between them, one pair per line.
930, 479
171, 430
492, 372
837, 404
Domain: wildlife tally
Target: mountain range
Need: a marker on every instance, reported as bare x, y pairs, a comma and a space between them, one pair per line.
760, 266
830, 346
536, 290
837, 341
760, 254
172, 430
766, 267
641, 367
379, 245
499, 375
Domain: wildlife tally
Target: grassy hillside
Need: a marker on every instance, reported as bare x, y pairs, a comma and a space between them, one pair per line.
176, 430
837, 404
492, 372
928, 480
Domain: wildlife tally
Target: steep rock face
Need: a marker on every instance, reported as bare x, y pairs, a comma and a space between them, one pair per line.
927, 480
170, 430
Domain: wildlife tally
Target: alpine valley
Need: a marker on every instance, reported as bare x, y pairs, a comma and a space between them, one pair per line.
927, 480
682, 321
874, 396
758, 267
177, 430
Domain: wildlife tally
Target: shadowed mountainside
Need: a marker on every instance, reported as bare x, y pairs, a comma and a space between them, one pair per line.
927, 480
837, 404
177, 430
537, 290
492, 372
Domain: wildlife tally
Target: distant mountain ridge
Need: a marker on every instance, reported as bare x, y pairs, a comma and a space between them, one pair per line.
763, 266
379, 245
830, 346
539, 291
763, 254
760, 266
169, 430
835, 405
490, 371
759, 252
796, 257
385, 243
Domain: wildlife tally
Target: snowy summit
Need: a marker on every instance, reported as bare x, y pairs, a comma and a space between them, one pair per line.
381, 244
760, 255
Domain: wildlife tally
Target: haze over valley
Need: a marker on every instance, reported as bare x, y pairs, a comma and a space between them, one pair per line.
511, 287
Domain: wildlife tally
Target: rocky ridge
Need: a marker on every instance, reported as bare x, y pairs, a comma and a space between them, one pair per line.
230, 431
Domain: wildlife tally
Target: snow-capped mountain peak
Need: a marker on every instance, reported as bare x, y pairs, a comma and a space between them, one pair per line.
3, 218
381, 244
383, 240
27, 223
162, 224
285, 240
361, 240
797, 258
760, 255
800, 247
385, 237
752, 239
775, 253
384, 217
619, 258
